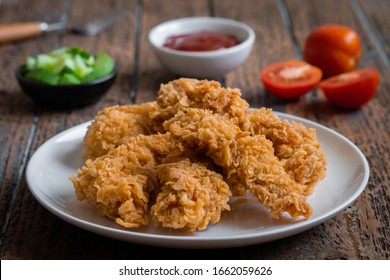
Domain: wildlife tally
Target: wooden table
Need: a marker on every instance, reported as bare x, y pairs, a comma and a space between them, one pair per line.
29, 231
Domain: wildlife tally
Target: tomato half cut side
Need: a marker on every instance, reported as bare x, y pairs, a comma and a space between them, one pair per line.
353, 89
290, 79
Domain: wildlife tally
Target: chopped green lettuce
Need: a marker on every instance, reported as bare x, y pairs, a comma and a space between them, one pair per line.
104, 65
69, 79
43, 76
68, 66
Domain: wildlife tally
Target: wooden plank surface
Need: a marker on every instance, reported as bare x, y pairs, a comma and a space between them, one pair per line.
19, 119
28, 231
363, 226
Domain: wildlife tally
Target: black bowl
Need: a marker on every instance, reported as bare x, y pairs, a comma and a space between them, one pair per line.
65, 96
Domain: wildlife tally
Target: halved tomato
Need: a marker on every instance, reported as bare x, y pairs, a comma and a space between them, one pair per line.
353, 89
290, 79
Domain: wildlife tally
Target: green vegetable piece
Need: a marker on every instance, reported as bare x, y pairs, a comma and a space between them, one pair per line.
90, 61
59, 66
68, 65
78, 51
43, 76
94, 75
69, 79
103, 60
30, 63
46, 62
59, 52
81, 69
104, 65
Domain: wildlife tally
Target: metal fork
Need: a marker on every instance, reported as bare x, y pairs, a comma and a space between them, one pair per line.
20, 31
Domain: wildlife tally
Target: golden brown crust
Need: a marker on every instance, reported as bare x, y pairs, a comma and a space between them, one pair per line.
295, 145
114, 126
184, 93
249, 160
180, 158
119, 183
191, 196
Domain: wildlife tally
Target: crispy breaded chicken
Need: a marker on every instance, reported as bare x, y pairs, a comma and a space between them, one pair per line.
190, 197
114, 126
246, 159
191, 93
295, 145
120, 182
178, 159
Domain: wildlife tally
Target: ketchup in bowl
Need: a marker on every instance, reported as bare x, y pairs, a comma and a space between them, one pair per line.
201, 41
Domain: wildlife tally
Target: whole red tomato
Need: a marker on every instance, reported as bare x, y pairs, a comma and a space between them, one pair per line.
335, 49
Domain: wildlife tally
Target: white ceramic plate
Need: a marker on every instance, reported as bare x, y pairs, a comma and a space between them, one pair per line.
247, 223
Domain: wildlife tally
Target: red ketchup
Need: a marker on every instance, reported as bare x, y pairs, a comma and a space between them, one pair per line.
201, 41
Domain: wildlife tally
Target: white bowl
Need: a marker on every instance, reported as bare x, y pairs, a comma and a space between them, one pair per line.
202, 64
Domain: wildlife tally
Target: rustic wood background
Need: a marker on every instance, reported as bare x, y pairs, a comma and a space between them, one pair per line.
28, 231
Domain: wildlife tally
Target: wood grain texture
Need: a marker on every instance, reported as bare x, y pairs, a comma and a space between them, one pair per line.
376, 25
365, 218
28, 231
18, 113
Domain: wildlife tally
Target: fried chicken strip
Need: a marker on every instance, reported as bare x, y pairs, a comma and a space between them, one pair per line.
120, 182
114, 126
191, 196
183, 93
246, 159
295, 145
